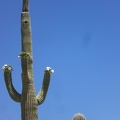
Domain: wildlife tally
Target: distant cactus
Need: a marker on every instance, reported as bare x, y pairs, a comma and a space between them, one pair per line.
79, 116
28, 99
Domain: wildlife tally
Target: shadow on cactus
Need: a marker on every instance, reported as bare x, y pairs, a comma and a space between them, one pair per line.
28, 99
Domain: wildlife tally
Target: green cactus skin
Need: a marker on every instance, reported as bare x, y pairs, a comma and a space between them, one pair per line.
28, 99
78, 116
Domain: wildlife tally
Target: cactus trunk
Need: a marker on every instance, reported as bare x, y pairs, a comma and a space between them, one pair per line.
29, 109
29, 105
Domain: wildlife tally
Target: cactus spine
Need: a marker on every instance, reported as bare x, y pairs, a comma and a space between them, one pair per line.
28, 99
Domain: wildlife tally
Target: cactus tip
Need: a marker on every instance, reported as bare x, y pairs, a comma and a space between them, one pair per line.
7, 67
78, 116
49, 70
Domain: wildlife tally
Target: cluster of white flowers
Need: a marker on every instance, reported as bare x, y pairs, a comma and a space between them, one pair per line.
49, 70
23, 54
7, 67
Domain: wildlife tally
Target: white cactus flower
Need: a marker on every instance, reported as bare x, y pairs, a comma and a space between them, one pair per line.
49, 69
9, 68
4, 66
52, 71
19, 56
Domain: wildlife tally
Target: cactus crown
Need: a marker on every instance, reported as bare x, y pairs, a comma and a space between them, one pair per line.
79, 116
7, 67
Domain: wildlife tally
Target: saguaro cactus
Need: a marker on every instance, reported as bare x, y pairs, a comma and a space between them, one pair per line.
28, 99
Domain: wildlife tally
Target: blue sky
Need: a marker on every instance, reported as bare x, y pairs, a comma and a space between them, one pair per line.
80, 40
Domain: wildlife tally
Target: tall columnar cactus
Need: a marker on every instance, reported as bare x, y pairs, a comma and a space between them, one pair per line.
28, 99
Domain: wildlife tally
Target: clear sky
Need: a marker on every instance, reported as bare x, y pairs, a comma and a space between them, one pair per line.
80, 40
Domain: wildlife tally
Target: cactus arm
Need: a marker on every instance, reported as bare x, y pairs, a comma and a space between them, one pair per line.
11, 90
45, 85
43, 92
